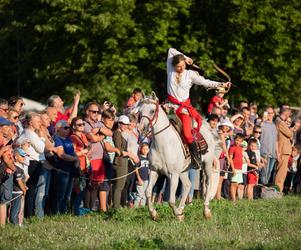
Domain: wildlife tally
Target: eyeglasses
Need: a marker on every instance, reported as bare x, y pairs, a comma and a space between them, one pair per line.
80, 124
257, 132
4, 109
66, 128
270, 113
94, 111
15, 117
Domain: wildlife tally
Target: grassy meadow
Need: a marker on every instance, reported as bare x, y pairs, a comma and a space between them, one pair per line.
259, 224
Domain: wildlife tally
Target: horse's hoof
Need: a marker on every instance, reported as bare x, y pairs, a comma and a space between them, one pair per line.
207, 214
180, 217
154, 215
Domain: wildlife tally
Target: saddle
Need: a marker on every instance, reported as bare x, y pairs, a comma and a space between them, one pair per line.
177, 124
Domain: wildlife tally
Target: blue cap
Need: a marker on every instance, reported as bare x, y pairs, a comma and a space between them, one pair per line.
20, 151
4, 122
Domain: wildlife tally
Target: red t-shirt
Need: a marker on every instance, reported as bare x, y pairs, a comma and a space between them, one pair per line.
79, 144
214, 100
62, 116
237, 153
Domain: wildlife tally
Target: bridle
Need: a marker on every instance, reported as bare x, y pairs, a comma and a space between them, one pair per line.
152, 121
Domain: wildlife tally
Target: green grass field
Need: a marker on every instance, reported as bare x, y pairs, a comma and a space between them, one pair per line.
259, 224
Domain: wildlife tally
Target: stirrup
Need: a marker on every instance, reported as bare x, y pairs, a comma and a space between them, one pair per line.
195, 164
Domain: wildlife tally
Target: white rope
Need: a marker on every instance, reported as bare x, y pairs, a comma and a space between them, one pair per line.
13, 199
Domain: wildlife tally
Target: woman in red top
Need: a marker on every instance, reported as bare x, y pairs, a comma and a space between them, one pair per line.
81, 148
80, 142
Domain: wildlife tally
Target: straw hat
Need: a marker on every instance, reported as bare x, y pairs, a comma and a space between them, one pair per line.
226, 123
235, 117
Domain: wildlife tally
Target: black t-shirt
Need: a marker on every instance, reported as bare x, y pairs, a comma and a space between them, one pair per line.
18, 175
144, 170
252, 158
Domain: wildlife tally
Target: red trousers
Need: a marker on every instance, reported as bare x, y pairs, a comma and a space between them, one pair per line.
187, 127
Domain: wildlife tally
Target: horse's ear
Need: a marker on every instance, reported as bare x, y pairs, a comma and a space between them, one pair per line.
153, 96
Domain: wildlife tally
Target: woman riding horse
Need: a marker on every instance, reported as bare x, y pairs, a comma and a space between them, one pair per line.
179, 82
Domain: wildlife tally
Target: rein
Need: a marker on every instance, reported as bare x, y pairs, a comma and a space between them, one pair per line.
153, 120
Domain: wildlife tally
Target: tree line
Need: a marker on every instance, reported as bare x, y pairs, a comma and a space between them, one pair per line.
105, 48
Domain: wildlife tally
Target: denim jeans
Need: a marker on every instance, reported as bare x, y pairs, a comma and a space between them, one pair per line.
15, 209
140, 199
77, 201
42, 191
265, 173
62, 192
191, 175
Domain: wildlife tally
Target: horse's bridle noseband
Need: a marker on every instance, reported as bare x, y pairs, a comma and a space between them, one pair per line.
152, 121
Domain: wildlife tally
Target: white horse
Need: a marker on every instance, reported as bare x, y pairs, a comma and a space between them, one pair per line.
167, 156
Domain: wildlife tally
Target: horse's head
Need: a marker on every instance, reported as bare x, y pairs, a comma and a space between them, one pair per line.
148, 109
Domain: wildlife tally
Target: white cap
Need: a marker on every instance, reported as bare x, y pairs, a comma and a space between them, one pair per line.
124, 119
227, 123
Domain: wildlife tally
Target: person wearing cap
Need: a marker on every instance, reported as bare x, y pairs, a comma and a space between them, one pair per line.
237, 121
6, 132
179, 82
225, 131
19, 187
131, 135
120, 161
96, 131
65, 167
217, 100
285, 136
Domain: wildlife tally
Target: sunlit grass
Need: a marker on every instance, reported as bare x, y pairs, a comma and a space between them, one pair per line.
259, 224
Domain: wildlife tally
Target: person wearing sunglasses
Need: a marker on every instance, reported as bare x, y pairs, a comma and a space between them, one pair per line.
65, 166
13, 116
16, 103
3, 108
96, 131
81, 147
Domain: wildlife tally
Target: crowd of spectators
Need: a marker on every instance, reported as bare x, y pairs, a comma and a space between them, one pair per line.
58, 161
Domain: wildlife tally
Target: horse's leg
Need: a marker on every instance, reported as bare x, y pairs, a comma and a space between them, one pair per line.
186, 188
152, 181
214, 179
208, 175
174, 180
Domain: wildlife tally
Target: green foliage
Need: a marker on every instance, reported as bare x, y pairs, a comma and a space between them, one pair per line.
106, 48
258, 224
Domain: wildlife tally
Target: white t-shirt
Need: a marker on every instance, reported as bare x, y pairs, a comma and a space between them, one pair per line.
245, 163
37, 145
180, 90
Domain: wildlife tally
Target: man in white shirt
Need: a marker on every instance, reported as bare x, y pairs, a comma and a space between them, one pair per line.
179, 82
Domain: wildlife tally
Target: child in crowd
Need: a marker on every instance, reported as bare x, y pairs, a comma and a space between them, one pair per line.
19, 186
241, 186
133, 100
236, 161
293, 163
252, 168
142, 175
217, 100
